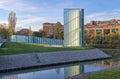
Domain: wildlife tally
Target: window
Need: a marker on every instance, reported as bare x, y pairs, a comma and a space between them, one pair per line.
106, 31
114, 30
98, 31
91, 31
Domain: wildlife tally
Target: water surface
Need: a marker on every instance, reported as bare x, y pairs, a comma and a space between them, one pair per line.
61, 71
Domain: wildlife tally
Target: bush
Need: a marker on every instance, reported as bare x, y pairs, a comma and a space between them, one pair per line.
105, 46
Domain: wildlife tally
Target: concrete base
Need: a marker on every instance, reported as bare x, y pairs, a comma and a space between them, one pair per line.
23, 61
0, 44
53, 45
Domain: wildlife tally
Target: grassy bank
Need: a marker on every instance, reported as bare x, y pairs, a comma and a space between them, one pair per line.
105, 74
115, 53
10, 48
110, 73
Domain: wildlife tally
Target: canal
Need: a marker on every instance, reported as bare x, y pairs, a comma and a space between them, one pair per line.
61, 71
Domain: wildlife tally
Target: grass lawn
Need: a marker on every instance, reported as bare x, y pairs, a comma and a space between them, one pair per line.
105, 74
9, 48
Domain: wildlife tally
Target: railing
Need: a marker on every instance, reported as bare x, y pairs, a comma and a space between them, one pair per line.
37, 40
2, 41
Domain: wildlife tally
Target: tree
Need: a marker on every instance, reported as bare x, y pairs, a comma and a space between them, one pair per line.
89, 38
57, 31
4, 33
12, 19
42, 33
10, 30
37, 34
62, 35
30, 33
110, 40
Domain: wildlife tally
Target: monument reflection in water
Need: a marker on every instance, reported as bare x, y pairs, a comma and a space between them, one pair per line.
73, 70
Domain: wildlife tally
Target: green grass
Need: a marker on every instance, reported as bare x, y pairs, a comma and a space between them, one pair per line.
105, 74
9, 48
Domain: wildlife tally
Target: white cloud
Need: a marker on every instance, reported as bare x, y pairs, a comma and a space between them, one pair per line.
24, 5
106, 15
16, 5
3, 22
31, 14
30, 20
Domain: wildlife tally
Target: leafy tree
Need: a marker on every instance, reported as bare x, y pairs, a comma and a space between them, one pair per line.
30, 33
89, 38
4, 33
110, 40
10, 30
37, 34
57, 31
42, 33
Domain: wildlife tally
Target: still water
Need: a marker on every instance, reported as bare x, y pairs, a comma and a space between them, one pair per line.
60, 72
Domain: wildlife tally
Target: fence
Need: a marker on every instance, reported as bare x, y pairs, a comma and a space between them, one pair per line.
2, 41
37, 40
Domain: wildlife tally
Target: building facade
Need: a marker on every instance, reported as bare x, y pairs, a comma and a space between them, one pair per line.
23, 32
73, 27
48, 29
53, 30
103, 30
103, 27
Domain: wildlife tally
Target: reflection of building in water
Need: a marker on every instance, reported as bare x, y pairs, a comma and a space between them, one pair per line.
73, 70
119, 63
58, 70
9, 77
109, 63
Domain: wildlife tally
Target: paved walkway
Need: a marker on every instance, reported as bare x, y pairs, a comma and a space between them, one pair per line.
21, 61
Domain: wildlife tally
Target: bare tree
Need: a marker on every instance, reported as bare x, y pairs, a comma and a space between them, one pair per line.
12, 19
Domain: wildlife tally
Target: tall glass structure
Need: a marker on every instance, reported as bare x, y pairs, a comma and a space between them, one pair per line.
73, 27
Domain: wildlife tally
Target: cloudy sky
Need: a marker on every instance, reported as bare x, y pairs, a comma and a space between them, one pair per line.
35, 12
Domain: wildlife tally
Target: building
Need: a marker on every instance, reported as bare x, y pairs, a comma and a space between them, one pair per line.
103, 27
23, 32
112, 22
73, 27
103, 30
48, 29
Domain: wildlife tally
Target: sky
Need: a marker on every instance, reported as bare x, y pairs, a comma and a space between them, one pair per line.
36, 12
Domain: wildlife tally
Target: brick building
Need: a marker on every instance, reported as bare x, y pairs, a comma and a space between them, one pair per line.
48, 29
23, 32
103, 27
